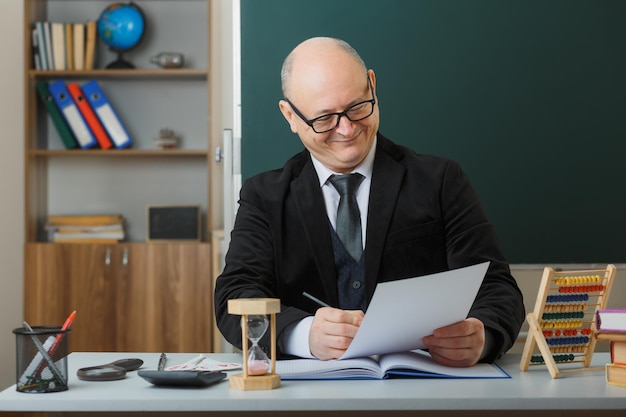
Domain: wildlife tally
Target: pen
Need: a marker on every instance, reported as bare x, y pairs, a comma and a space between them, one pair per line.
66, 325
162, 360
317, 300
46, 357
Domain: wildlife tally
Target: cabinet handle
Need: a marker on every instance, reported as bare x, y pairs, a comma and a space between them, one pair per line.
219, 154
107, 257
125, 257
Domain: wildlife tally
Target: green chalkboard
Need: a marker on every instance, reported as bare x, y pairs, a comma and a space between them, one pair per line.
528, 95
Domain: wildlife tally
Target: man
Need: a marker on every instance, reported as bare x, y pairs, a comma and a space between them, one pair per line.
418, 215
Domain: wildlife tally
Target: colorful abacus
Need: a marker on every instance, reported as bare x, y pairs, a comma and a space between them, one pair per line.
562, 325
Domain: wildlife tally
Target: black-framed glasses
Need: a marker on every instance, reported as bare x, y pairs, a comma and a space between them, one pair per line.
330, 121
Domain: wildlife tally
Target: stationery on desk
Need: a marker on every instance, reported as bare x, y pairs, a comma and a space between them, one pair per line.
196, 372
45, 353
420, 305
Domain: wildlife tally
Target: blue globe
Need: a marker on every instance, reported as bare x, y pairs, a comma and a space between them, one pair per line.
121, 26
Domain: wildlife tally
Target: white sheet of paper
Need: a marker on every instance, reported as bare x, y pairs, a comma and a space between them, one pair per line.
402, 312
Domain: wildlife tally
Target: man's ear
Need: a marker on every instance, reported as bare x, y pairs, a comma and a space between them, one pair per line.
288, 114
370, 73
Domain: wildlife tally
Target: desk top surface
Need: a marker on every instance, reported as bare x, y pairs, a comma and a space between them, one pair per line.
532, 390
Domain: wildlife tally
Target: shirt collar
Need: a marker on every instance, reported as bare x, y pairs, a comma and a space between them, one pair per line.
364, 168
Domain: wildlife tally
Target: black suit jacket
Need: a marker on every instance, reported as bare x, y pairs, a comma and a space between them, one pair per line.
424, 217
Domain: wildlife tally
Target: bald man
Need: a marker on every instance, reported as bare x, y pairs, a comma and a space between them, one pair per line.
418, 215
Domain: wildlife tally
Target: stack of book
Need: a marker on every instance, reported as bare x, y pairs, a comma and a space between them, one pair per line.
107, 228
64, 46
611, 325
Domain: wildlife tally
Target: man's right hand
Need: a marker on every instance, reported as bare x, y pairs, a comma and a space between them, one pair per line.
332, 331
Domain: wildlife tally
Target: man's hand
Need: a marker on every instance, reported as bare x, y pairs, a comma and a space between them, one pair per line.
332, 331
459, 344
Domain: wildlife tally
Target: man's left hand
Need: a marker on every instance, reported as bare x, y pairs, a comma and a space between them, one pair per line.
460, 344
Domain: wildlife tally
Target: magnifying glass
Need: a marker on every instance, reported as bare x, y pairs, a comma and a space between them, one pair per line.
110, 371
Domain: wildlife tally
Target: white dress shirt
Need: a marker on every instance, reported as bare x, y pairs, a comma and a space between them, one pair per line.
295, 340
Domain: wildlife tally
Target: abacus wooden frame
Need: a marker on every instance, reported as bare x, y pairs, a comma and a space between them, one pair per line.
536, 338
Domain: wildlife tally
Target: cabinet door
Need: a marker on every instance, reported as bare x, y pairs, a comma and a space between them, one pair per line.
46, 298
92, 280
60, 278
165, 301
131, 297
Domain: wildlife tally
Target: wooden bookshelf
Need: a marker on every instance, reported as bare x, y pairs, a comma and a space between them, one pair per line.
157, 286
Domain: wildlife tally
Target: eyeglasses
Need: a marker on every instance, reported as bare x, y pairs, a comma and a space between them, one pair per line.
330, 121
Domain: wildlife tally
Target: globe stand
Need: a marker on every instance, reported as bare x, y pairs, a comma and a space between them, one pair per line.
120, 62
253, 307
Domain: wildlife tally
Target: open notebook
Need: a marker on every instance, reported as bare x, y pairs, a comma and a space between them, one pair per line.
413, 364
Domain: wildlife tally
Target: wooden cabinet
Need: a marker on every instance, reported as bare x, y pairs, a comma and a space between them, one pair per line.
131, 296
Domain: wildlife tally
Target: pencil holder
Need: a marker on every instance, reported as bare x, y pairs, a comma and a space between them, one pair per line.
41, 359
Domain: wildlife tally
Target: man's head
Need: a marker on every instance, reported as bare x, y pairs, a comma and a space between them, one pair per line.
323, 76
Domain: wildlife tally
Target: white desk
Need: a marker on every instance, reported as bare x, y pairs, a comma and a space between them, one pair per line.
578, 392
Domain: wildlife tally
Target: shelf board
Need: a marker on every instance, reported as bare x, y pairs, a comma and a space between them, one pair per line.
115, 153
182, 73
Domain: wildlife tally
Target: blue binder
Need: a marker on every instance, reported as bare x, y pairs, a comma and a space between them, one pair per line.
72, 115
108, 117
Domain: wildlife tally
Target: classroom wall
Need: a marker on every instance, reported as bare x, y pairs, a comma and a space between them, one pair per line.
11, 184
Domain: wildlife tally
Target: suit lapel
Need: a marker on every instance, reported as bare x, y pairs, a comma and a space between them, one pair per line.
387, 178
309, 201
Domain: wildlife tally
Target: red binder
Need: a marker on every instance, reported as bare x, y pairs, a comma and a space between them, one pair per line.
90, 117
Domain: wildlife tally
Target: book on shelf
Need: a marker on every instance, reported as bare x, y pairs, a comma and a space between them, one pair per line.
61, 125
411, 364
69, 47
57, 31
616, 374
90, 44
79, 46
611, 320
89, 116
40, 36
91, 236
48, 44
71, 228
86, 240
84, 220
85, 228
64, 45
35, 45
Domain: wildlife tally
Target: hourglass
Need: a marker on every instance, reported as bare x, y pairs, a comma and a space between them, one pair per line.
254, 323
258, 362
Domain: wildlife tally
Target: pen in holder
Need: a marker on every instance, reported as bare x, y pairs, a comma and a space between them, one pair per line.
41, 359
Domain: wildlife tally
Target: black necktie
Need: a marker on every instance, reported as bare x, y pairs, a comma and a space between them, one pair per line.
348, 216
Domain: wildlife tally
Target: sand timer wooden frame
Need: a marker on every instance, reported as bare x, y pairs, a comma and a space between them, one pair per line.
561, 328
255, 306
